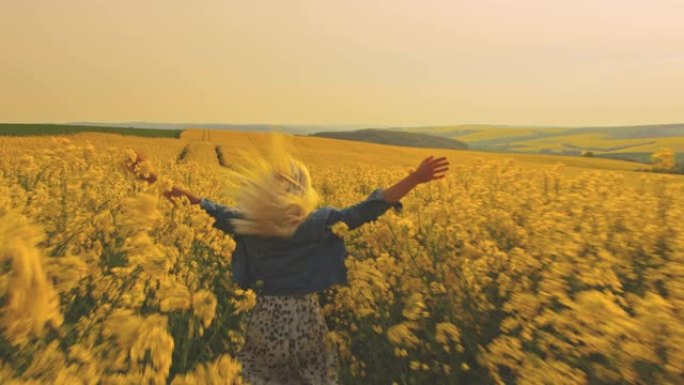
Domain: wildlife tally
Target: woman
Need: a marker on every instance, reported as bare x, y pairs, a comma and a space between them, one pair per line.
287, 253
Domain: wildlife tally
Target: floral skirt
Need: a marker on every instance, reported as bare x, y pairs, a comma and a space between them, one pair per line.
285, 343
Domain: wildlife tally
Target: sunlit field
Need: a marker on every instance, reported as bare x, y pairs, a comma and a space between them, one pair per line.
314, 150
514, 269
629, 142
600, 143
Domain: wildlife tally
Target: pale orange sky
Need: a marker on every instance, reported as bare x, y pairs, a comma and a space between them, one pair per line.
423, 62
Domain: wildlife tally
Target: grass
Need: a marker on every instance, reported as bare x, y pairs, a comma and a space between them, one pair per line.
11, 129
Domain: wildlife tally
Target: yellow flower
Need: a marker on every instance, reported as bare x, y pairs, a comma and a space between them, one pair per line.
31, 302
402, 335
223, 370
173, 295
247, 302
340, 229
446, 333
204, 306
415, 307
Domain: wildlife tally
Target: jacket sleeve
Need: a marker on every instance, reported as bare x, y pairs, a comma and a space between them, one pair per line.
363, 212
222, 215
317, 226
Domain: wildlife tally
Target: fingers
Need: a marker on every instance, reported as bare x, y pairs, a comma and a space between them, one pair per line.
439, 161
427, 160
433, 168
431, 160
439, 167
439, 164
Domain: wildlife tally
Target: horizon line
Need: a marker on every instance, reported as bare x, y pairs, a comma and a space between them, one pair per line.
290, 125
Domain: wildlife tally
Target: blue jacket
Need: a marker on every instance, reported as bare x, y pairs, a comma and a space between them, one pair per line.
309, 261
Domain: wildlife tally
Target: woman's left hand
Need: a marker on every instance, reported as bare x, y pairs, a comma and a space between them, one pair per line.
151, 178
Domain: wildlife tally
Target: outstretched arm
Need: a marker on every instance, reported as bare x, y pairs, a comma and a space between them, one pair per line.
222, 214
430, 169
379, 201
175, 192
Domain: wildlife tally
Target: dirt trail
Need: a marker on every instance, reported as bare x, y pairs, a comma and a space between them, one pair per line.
183, 154
219, 156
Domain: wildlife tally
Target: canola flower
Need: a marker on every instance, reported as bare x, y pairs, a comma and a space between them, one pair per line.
30, 301
502, 274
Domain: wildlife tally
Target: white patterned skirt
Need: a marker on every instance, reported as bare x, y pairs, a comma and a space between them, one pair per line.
285, 343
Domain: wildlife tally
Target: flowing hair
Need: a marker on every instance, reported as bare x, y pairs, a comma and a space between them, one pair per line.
274, 193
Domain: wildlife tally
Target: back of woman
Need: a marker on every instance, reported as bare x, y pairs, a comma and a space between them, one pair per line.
287, 253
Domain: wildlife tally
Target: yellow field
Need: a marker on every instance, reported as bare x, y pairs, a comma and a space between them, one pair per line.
493, 133
322, 150
676, 144
601, 143
598, 142
514, 269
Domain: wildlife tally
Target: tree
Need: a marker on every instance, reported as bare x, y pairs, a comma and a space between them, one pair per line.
663, 160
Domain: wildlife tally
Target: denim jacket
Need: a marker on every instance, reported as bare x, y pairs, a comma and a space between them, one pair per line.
311, 260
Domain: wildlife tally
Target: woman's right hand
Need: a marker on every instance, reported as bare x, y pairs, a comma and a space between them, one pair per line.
430, 169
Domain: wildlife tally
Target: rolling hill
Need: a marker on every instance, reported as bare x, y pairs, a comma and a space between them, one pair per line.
396, 138
626, 142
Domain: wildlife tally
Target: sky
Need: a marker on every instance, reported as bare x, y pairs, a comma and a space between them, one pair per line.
354, 62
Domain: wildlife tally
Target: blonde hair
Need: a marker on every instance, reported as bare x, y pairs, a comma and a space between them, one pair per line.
274, 194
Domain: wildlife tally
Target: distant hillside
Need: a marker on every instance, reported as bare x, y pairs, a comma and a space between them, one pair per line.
10, 129
396, 138
492, 134
632, 142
